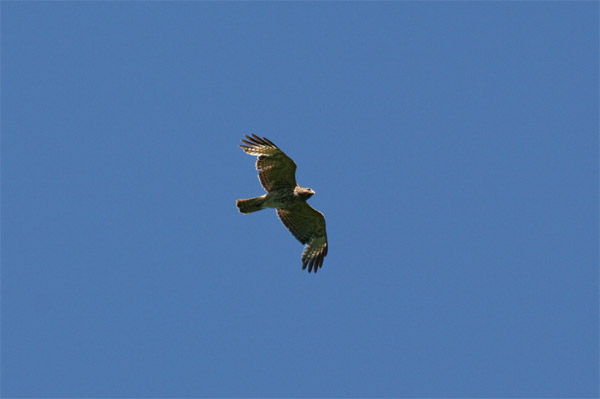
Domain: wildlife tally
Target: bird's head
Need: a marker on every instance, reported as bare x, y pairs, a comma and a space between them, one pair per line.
304, 193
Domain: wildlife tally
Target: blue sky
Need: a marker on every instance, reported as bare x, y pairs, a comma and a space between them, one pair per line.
453, 148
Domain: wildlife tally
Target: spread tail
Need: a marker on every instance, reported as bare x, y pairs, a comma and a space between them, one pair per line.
251, 205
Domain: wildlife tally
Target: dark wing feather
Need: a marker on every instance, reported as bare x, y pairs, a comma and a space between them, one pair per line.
308, 226
275, 169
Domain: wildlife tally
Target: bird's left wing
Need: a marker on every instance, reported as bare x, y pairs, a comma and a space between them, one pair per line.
308, 226
275, 169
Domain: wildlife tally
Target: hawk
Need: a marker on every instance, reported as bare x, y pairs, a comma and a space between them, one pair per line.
277, 175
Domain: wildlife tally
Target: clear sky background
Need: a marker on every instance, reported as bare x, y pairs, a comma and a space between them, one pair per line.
453, 148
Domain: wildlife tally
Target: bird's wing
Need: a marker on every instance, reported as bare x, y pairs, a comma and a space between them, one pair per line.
275, 169
308, 226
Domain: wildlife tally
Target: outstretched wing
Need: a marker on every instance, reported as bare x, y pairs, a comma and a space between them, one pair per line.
308, 226
275, 169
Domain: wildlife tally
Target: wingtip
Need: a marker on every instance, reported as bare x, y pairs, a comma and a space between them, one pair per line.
269, 142
254, 140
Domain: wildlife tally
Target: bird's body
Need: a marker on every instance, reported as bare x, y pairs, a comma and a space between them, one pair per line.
277, 176
278, 199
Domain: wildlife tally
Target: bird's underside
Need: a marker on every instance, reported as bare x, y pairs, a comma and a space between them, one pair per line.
276, 172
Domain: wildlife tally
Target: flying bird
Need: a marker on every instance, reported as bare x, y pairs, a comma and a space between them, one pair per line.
277, 175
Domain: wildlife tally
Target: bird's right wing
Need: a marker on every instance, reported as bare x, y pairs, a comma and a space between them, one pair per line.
308, 226
275, 169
